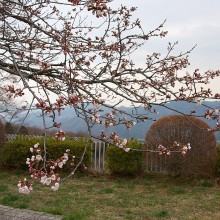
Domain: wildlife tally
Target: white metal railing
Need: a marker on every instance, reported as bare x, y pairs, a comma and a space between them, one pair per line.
10, 137
154, 162
98, 150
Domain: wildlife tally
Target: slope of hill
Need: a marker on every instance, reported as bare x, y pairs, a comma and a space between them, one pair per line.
70, 122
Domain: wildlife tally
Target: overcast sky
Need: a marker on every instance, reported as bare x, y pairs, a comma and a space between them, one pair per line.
189, 22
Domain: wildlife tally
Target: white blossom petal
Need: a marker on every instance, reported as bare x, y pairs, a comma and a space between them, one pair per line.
36, 145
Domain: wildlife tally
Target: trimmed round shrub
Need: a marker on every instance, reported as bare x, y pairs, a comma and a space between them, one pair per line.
200, 160
121, 163
14, 153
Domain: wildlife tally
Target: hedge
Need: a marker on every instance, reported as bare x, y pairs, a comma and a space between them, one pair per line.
121, 163
14, 153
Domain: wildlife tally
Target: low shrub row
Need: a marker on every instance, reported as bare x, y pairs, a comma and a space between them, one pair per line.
123, 163
120, 163
14, 153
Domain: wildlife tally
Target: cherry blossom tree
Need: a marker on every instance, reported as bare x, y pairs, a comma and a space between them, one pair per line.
82, 53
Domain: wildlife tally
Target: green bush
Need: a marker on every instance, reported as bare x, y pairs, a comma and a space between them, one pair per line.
14, 153
123, 163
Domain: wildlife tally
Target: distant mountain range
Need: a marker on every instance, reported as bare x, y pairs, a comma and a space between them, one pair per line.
70, 122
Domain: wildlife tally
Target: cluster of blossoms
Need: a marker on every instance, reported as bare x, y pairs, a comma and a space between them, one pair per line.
48, 107
59, 105
45, 106
217, 128
48, 179
50, 82
10, 89
185, 148
24, 186
52, 177
73, 99
163, 150
198, 102
99, 8
115, 140
177, 147
60, 135
129, 124
35, 159
96, 118
49, 174
109, 119
57, 125
96, 104
211, 113
103, 136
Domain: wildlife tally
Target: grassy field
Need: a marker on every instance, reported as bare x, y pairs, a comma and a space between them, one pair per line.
148, 197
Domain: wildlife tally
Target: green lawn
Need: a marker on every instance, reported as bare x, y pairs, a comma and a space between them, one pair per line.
149, 197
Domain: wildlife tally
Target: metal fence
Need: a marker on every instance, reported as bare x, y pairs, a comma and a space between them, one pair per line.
152, 160
98, 153
155, 162
10, 137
